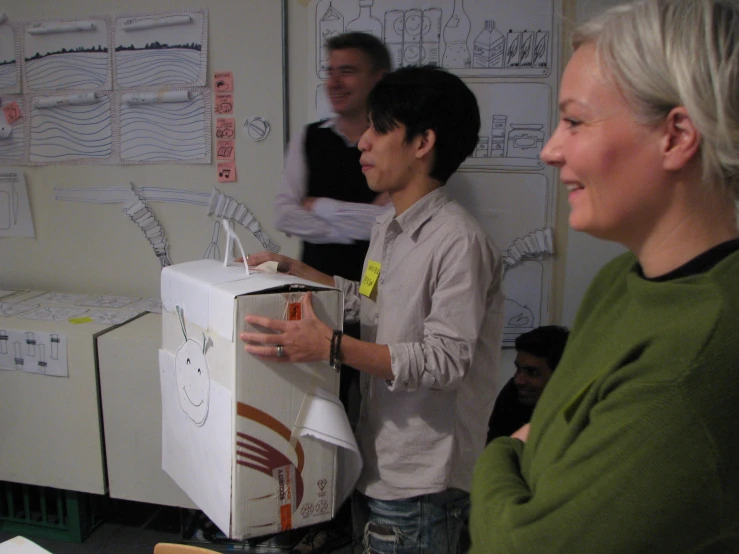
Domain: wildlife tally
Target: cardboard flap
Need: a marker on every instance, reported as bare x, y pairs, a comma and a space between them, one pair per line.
205, 290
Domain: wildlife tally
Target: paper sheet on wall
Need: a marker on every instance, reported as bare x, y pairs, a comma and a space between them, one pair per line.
74, 59
71, 132
15, 209
10, 66
161, 49
198, 454
34, 352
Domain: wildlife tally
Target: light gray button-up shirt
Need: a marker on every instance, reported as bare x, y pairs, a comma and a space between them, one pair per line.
439, 308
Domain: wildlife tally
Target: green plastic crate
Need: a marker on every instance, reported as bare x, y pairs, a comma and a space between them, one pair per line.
46, 512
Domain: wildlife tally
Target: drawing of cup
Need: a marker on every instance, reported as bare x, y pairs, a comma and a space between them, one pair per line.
18, 358
31, 344
42, 358
54, 340
3, 341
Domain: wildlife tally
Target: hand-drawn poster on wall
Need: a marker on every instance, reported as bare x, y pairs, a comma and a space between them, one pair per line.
161, 49
166, 126
472, 38
498, 201
10, 67
507, 53
63, 54
67, 127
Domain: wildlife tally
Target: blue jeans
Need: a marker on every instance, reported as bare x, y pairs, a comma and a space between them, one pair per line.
427, 524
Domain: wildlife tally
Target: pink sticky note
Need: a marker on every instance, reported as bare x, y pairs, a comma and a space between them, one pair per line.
224, 104
226, 172
225, 128
12, 112
225, 149
223, 81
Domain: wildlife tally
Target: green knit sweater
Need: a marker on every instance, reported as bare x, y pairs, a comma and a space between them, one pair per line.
634, 445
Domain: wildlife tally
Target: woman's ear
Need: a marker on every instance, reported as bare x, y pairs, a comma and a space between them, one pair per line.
681, 141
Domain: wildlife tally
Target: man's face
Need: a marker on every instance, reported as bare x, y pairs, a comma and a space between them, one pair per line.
532, 375
387, 159
351, 78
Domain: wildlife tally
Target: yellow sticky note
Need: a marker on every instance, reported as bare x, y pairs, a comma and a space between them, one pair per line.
369, 281
77, 320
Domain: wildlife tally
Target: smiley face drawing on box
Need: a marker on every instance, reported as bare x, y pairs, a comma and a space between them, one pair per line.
192, 376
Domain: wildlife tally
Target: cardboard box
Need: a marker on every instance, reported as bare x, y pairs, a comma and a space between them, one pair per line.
253, 443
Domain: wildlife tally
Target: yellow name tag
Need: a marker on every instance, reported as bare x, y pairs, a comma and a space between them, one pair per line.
369, 281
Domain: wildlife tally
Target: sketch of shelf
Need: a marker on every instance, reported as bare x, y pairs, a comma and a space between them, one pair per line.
515, 125
471, 38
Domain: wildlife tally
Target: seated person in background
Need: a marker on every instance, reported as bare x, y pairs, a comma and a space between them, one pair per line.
537, 355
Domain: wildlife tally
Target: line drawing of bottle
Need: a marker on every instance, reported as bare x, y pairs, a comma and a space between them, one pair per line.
18, 359
482, 150
330, 25
456, 33
527, 48
3, 341
513, 52
541, 49
365, 23
54, 340
31, 344
488, 47
431, 36
497, 138
42, 358
412, 26
393, 29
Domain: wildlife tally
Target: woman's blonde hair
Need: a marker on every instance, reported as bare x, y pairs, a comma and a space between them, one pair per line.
668, 53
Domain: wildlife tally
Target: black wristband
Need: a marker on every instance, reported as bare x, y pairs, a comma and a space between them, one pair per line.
335, 352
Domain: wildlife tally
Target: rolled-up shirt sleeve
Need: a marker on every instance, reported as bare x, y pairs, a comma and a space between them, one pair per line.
464, 270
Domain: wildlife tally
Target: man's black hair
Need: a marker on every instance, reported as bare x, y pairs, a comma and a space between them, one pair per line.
546, 342
423, 98
369, 45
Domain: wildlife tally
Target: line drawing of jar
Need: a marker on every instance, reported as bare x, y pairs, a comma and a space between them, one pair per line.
3, 341
513, 52
497, 136
412, 26
430, 36
365, 22
330, 25
488, 47
456, 33
393, 29
42, 358
525, 140
541, 49
527, 49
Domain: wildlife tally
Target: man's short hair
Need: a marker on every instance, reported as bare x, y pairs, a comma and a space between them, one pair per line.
369, 45
423, 98
546, 342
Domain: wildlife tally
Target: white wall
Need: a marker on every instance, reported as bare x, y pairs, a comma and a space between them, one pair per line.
96, 248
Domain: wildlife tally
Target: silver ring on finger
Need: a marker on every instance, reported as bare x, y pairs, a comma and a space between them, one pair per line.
280, 351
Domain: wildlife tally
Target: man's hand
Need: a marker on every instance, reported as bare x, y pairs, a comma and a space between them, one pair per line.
291, 267
522, 434
308, 202
307, 340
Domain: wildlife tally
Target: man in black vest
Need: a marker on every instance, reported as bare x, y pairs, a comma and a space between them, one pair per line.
323, 196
